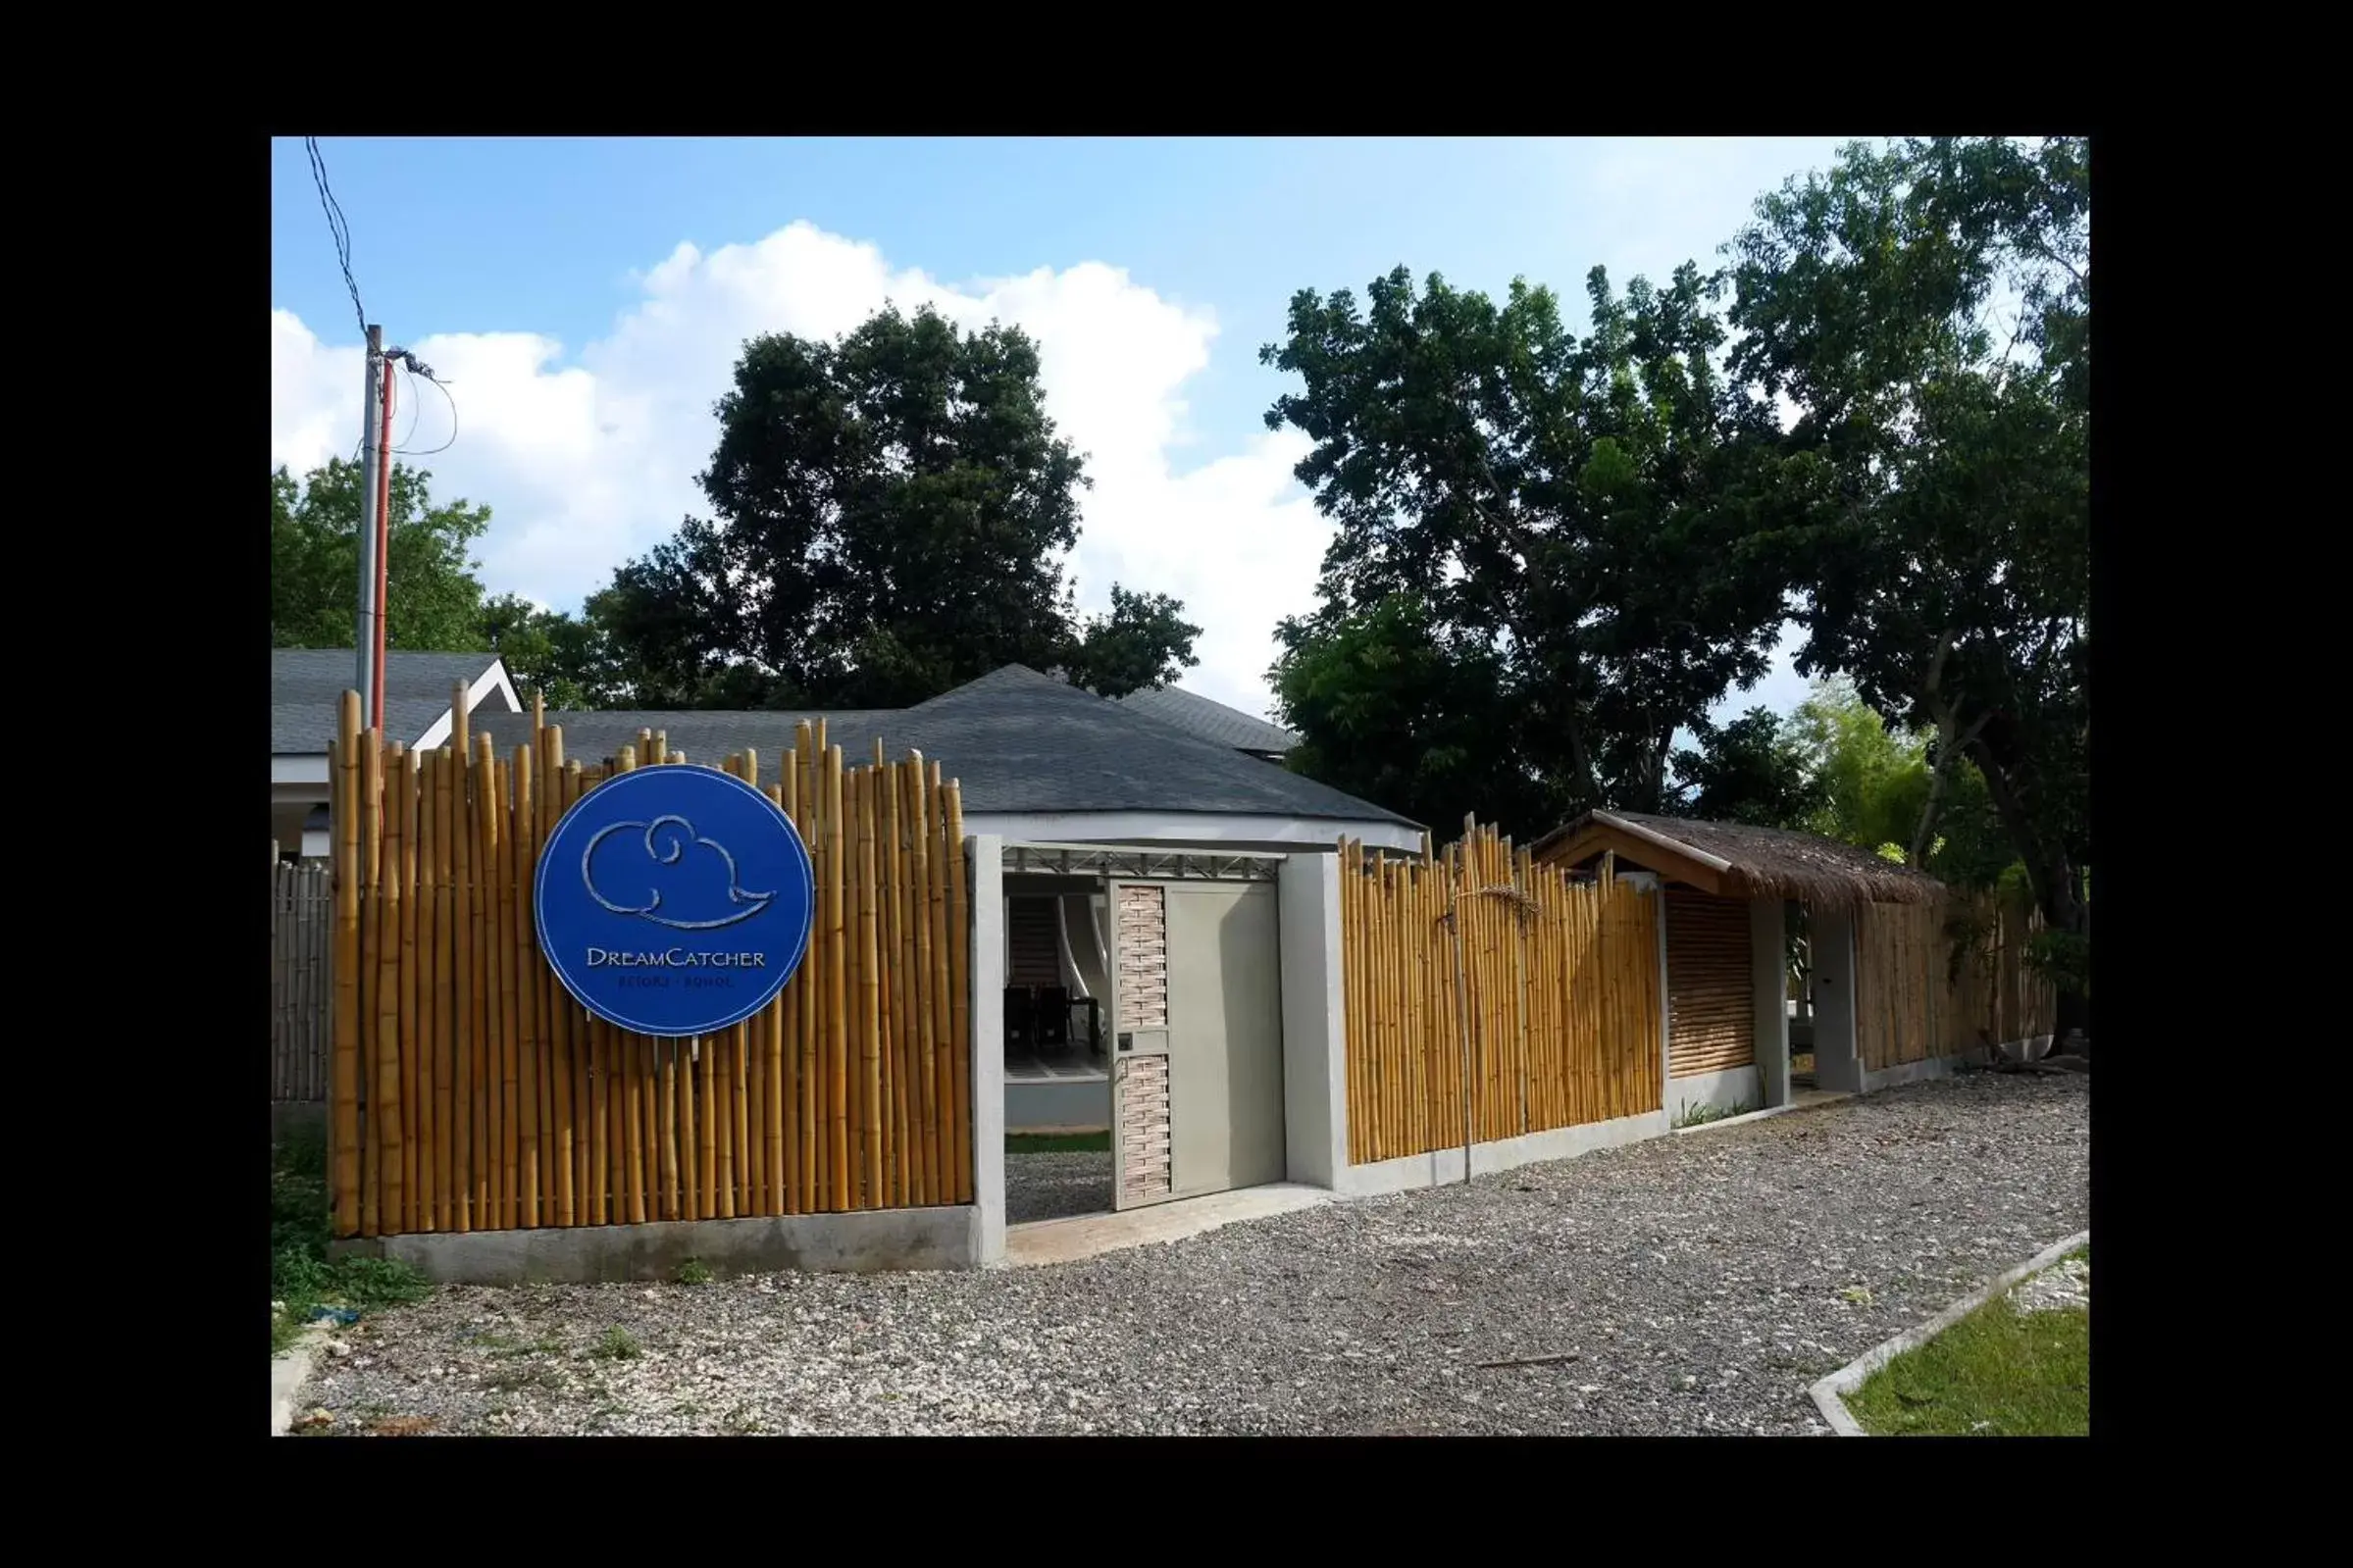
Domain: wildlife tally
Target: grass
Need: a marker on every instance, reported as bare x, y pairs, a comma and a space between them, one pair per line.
694, 1272
1702, 1115
618, 1344
302, 1277
1057, 1142
1996, 1373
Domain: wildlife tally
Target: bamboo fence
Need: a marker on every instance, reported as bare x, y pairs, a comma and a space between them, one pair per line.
1475, 963
470, 1092
1947, 978
301, 1012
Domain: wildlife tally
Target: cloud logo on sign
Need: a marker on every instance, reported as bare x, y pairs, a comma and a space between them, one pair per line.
663, 872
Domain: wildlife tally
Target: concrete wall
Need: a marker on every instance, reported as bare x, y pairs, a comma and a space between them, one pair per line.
2018, 1050
1444, 1167
1735, 1088
1314, 1026
1769, 954
987, 880
588, 1254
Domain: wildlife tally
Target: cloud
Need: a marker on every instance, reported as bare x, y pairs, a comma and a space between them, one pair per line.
587, 459
662, 871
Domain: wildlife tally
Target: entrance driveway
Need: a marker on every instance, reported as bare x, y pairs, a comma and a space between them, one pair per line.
1701, 1282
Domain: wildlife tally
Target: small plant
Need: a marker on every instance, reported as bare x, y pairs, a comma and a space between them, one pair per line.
1858, 1294
1702, 1115
693, 1272
302, 1277
618, 1344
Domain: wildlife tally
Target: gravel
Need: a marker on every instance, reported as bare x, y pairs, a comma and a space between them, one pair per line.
1690, 1284
1053, 1186
2065, 1284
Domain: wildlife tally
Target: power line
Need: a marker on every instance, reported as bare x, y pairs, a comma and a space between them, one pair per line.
419, 370
337, 227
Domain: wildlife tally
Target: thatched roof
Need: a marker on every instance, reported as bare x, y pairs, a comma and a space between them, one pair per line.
1741, 861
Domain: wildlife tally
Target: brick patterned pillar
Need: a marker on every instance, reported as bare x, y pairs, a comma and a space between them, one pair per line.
1143, 958
1141, 1082
1143, 1126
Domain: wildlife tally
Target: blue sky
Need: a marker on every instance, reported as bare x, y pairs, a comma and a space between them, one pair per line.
585, 299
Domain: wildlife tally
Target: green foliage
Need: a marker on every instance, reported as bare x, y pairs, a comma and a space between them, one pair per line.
1873, 788
1584, 528
434, 601
1997, 1373
1926, 308
302, 1277
1752, 770
1145, 642
1703, 1114
694, 1272
2063, 958
889, 513
1394, 708
618, 1344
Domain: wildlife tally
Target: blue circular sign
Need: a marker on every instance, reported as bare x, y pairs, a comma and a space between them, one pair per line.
674, 901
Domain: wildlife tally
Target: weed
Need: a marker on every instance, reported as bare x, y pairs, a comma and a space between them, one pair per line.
512, 1380
693, 1272
618, 1344
302, 1277
1702, 1115
1858, 1294
740, 1421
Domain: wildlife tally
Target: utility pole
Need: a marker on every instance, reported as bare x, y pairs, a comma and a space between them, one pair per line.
372, 458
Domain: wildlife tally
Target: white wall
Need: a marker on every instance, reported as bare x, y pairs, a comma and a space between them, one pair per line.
986, 964
1314, 1026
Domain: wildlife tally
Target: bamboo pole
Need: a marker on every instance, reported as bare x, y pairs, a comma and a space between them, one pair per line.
958, 980
939, 1165
870, 995
804, 988
561, 1015
522, 857
405, 1002
704, 1098
497, 1175
632, 1108
666, 1052
434, 987
837, 1008
343, 767
896, 1036
428, 1005
782, 1130
372, 981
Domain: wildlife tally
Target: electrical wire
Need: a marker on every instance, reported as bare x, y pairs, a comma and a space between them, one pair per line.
338, 229
419, 369
415, 402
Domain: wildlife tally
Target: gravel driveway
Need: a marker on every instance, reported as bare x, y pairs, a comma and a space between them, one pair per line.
1701, 1282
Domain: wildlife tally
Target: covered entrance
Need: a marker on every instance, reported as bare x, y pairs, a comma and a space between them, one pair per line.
1191, 1017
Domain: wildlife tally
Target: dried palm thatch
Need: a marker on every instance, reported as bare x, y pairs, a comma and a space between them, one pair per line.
1754, 862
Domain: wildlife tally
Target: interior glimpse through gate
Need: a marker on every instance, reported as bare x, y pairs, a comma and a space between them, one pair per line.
1195, 1016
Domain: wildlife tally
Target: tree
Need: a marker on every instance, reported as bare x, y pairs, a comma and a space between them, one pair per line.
1752, 770
891, 511
561, 658
1582, 521
432, 599
1355, 684
1145, 642
1872, 788
1926, 309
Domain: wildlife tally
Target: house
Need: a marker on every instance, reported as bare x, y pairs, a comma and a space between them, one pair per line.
1198, 715
306, 685
1068, 781
1885, 1009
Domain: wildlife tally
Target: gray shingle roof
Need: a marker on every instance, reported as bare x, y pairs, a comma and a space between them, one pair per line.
1018, 741
1198, 715
306, 684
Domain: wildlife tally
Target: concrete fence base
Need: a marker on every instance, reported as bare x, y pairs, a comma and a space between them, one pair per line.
1444, 1167
870, 1241
2031, 1049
